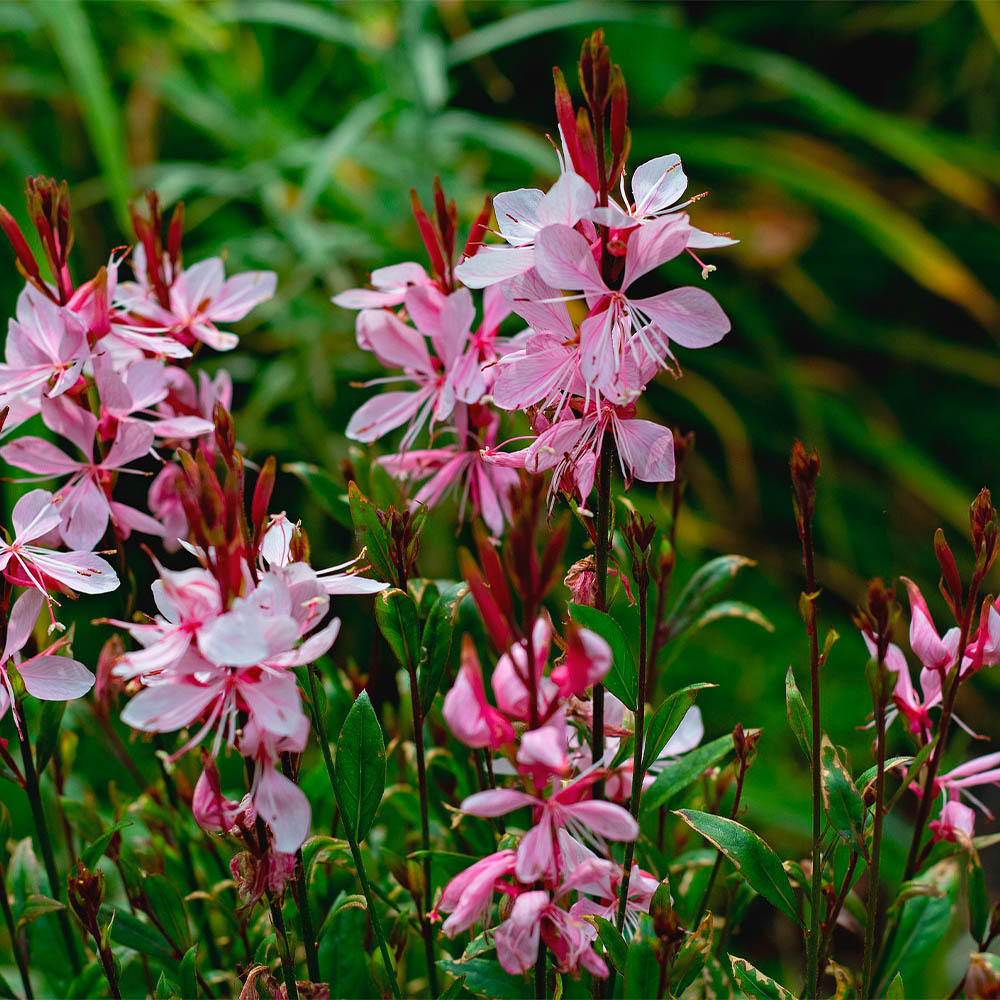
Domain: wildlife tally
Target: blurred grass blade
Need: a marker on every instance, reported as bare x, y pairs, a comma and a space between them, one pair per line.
78, 53
898, 235
310, 19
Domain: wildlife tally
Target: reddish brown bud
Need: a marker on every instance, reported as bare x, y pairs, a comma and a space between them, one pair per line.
805, 470
951, 583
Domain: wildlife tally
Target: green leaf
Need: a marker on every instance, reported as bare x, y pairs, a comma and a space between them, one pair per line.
36, 905
48, 732
623, 679
978, 898
642, 968
911, 772
439, 631
6, 990
753, 983
371, 532
131, 932
732, 609
168, 907
484, 977
666, 719
614, 943
94, 851
922, 925
844, 808
799, 717
756, 862
326, 490
189, 973
360, 768
397, 620
692, 955
702, 589
895, 990
678, 775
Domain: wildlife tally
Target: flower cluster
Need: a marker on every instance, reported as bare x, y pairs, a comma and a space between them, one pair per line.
559, 869
578, 375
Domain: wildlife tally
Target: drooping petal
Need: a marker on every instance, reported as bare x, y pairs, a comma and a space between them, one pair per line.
284, 808
564, 260
688, 316
55, 678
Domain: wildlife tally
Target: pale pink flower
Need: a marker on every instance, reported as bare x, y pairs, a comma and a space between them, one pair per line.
468, 714
469, 895
46, 349
33, 565
588, 820
586, 662
521, 216
46, 676
618, 324
85, 502
449, 376
984, 770
202, 299
956, 823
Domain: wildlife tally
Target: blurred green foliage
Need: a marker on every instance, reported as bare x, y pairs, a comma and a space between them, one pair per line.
850, 147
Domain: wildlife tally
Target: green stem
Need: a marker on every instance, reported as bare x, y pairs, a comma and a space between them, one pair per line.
425, 830
602, 548
22, 965
540, 970
287, 962
300, 891
34, 794
871, 917
320, 725
816, 886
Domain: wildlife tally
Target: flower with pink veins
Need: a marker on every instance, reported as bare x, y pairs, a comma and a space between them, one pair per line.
469, 895
85, 501
34, 516
984, 770
470, 717
601, 879
466, 471
619, 324
188, 600
521, 216
202, 298
588, 820
46, 676
129, 393
450, 375
46, 349
586, 662
511, 680
570, 448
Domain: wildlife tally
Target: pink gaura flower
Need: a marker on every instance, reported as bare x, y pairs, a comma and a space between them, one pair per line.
469, 895
469, 715
569, 938
202, 299
521, 216
619, 324
46, 676
956, 823
85, 502
389, 287
33, 565
589, 820
46, 349
451, 374
586, 662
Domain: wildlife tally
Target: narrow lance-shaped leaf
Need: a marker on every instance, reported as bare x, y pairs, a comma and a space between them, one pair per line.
622, 679
753, 983
439, 630
756, 862
677, 776
666, 719
844, 807
701, 590
642, 968
371, 532
799, 717
360, 768
397, 620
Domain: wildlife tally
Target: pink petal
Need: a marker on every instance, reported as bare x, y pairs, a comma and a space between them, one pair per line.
657, 184
688, 316
240, 294
496, 802
55, 678
394, 343
285, 809
606, 819
494, 264
564, 260
381, 414
653, 244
